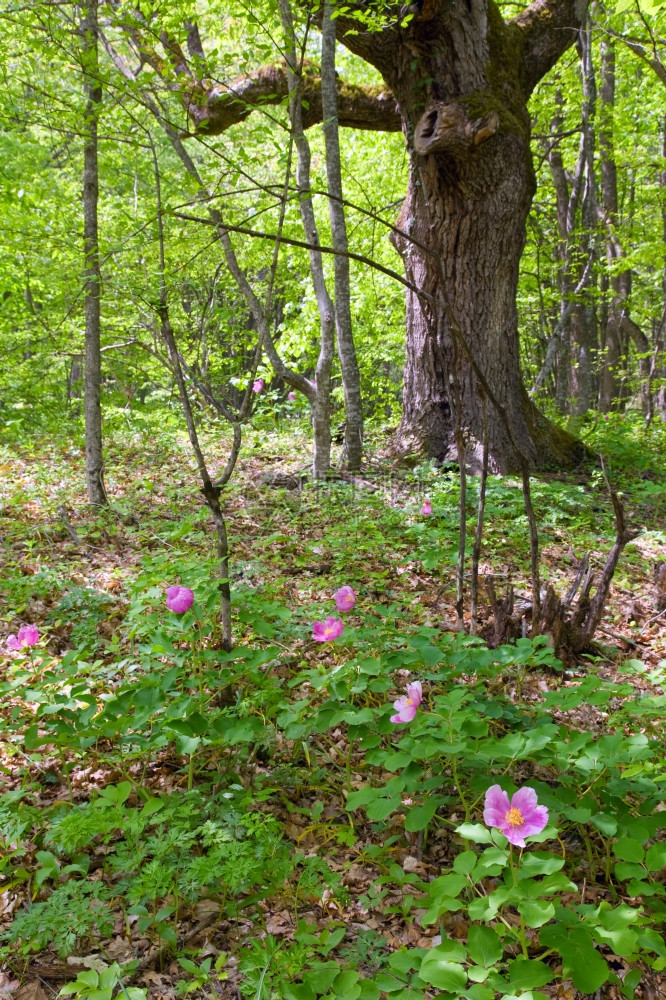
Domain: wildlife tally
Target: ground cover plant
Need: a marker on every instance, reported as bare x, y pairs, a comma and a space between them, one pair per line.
358, 800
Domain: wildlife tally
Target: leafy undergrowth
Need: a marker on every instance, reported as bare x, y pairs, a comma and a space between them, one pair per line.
180, 820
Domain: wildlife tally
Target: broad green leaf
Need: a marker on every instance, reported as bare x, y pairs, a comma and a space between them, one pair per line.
464, 863
475, 832
438, 971
525, 974
381, 808
479, 992
536, 912
627, 849
484, 946
369, 990
580, 959
418, 817
655, 857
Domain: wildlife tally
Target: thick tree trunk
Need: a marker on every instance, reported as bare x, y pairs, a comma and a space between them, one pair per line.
93, 363
470, 188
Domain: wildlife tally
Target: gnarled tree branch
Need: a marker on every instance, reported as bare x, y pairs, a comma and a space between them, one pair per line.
215, 110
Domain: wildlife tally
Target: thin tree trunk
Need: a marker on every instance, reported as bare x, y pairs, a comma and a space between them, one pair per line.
210, 490
93, 359
351, 381
321, 401
612, 346
657, 400
585, 333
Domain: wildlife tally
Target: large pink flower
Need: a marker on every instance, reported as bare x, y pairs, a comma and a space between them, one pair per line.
519, 818
328, 630
344, 598
427, 507
406, 706
179, 599
27, 636
258, 385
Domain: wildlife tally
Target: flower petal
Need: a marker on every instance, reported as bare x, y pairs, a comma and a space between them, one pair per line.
514, 835
535, 822
496, 806
524, 800
415, 692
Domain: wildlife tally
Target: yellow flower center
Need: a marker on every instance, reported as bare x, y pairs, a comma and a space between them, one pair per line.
514, 817
408, 701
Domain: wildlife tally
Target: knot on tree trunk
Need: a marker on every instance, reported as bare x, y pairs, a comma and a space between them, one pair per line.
446, 128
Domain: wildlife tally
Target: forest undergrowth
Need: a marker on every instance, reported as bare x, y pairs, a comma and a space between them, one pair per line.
178, 820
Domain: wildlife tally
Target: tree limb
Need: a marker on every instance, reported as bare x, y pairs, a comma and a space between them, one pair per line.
217, 109
549, 28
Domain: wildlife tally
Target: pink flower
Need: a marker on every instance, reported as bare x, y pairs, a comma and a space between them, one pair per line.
407, 705
325, 631
344, 598
258, 385
519, 818
27, 636
427, 507
291, 396
179, 599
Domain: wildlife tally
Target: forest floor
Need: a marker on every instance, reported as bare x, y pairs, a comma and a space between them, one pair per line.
178, 820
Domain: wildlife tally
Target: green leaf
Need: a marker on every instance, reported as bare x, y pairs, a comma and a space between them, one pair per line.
539, 864
321, 977
438, 971
387, 983
627, 849
655, 857
419, 816
484, 946
464, 863
475, 832
536, 912
479, 992
525, 974
369, 990
604, 823
298, 991
580, 959
381, 808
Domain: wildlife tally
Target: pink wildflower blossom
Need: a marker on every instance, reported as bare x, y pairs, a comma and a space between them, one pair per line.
406, 706
427, 507
344, 598
179, 599
519, 818
291, 397
328, 630
258, 385
27, 636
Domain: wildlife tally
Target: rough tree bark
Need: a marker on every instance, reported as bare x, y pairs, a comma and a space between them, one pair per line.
93, 359
462, 77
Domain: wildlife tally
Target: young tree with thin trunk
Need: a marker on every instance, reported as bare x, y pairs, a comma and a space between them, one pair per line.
351, 380
93, 277
321, 401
